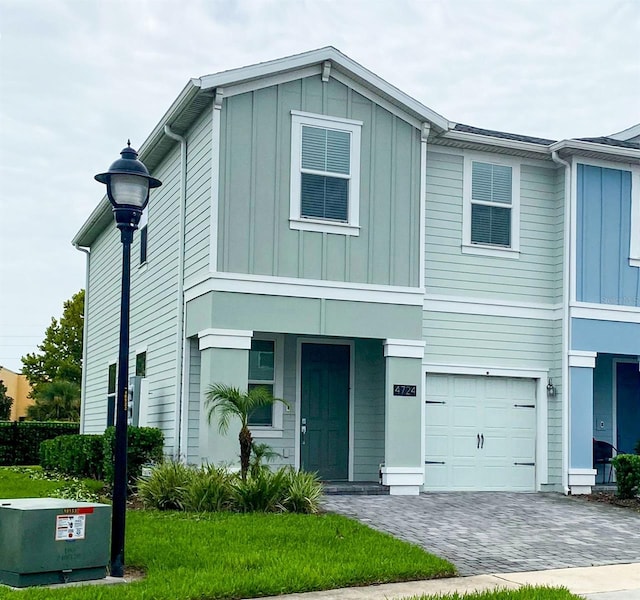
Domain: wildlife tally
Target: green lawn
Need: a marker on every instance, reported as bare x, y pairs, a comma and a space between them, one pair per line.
220, 555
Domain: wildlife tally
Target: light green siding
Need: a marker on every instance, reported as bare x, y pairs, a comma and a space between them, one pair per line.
488, 340
153, 323
194, 400
533, 277
198, 207
286, 314
254, 233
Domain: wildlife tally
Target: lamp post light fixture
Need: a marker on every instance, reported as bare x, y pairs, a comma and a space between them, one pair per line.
128, 183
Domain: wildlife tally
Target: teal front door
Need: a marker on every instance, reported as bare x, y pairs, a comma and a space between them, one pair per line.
324, 410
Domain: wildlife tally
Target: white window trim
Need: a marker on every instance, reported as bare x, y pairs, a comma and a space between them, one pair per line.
486, 249
296, 221
634, 250
277, 428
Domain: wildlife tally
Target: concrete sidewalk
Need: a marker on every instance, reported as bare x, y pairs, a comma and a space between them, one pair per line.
611, 582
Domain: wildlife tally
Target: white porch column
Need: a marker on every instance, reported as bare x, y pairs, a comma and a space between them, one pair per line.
224, 359
403, 470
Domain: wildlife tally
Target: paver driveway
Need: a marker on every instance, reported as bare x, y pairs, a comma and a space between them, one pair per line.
496, 532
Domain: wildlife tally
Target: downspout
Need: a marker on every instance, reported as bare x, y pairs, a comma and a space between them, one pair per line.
566, 283
180, 309
85, 329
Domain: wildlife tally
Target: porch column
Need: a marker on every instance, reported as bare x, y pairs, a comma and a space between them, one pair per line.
403, 470
582, 475
224, 357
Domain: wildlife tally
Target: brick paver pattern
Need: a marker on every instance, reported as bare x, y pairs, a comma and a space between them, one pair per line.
501, 532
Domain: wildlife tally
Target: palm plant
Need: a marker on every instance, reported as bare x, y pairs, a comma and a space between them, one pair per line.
227, 402
57, 400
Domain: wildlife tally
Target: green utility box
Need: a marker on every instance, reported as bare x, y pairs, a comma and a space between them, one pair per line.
50, 540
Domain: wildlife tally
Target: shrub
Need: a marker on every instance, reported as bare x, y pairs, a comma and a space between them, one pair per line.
167, 486
74, 455
209, 490
263, 492
304, 492
627, 468
20, 441
144, 445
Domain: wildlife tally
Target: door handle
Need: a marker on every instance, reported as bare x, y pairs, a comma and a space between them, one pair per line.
303, 432
482, 440
478, 445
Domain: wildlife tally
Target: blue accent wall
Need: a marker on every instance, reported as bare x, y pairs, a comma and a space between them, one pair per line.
581, 418
603, 237
611, 337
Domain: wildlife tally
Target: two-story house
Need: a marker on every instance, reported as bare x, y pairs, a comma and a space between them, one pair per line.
419, 292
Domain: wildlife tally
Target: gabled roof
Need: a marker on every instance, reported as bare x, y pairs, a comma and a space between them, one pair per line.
198, 93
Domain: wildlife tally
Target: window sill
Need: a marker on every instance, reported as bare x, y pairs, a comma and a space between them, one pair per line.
634, 262
490, 251
265, 432
324, 226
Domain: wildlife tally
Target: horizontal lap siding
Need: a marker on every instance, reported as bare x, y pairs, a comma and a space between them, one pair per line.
194, 399
531, 278
198, 209
254, 232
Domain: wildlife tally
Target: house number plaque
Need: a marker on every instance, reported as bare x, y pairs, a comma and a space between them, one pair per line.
400, 389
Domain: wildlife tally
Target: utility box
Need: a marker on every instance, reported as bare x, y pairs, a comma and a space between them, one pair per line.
51, 540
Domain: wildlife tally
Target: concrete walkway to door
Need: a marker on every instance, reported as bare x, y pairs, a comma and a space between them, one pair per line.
501, 532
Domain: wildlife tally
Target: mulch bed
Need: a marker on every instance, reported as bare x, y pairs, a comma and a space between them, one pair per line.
611, 498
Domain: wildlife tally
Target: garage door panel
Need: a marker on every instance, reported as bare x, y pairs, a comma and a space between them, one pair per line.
475, 406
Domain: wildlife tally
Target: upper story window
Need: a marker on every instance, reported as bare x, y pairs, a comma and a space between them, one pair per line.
491, 211
325, 174
141, 364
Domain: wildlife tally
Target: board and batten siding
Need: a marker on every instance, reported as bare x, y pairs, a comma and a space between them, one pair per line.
153, 308
604, 275
194, 399
254, 236
198, 207
531, 278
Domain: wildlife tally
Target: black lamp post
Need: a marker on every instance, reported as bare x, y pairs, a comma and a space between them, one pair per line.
128, 183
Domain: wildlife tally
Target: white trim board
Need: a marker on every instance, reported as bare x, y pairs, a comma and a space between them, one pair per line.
302, 288
604, 312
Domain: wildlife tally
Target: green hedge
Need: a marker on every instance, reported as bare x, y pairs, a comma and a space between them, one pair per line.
144, 445
627, 468
75, 455
20, 441
93, 455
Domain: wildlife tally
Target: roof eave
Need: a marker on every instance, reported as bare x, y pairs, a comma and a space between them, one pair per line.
486, 140
612, 152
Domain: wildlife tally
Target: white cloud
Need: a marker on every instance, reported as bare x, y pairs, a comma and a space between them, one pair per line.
79, 77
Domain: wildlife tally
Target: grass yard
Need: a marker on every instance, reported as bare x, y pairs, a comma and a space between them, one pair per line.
525, 593
14, 483
222, 555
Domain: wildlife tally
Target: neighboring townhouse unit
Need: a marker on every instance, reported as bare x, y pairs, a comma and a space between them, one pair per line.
436, 302
18, 389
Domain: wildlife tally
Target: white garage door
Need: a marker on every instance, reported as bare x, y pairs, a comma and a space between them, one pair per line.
480, 433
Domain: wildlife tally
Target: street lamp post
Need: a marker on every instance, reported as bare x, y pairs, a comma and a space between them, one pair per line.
128, 183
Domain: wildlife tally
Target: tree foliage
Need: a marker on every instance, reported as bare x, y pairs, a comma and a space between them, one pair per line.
228, 403
59, 356
5, 402
56, 401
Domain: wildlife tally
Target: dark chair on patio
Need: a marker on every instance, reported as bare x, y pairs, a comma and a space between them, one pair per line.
603, 453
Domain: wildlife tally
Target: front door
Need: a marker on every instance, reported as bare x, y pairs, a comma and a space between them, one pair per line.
628, 406
324, 410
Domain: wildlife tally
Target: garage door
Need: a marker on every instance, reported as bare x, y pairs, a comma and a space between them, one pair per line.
480, 433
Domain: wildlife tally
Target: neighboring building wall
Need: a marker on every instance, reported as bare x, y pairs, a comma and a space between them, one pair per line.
254, 233
19, 389
604, 275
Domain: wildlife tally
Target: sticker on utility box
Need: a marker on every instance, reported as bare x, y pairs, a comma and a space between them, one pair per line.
70, 527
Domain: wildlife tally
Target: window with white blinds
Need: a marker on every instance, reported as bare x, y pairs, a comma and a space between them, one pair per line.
492, 210
325, 170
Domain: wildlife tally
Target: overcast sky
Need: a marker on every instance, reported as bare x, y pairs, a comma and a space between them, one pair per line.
79, 77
